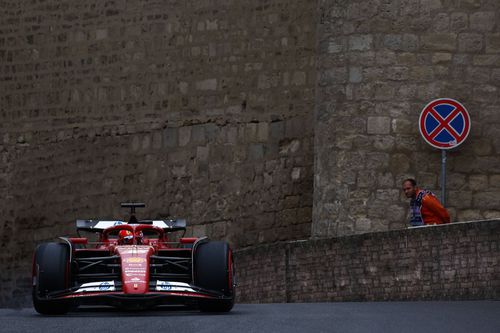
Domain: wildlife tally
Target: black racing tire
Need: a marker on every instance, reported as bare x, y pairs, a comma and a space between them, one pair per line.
52, 273
214, 270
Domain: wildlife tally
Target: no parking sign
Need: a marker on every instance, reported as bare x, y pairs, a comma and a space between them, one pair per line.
444, 123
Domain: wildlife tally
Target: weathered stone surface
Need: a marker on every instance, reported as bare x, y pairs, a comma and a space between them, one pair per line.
153, 105
379, 125
486, 200
207, 84
405, 42
459, 21
478, 182
402, 126
469, 215
483, 21
360, 43
493, 43
470, 43
441, 57
460, 198
184, 135
212, 119
435, 49
439, 42
355, 74
384, 143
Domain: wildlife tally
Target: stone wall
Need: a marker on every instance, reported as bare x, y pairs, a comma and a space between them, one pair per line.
457, 261
201, 109
218, 111
380, 63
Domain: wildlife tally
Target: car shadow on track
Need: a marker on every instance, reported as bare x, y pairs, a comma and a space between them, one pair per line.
162, 311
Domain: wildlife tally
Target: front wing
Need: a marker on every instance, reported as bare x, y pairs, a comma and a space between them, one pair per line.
160, 293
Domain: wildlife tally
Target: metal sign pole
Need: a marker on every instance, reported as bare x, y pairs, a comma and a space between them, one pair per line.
444, 123
443, 177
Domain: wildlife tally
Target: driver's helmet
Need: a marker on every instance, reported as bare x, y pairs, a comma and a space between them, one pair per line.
125, 237
139, 236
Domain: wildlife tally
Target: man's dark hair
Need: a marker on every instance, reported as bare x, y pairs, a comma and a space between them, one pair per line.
411, 180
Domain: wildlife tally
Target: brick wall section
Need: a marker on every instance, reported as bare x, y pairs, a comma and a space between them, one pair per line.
379, 64
451, 262
261, 273
201, 109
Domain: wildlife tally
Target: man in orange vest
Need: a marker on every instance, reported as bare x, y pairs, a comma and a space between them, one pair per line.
425, 208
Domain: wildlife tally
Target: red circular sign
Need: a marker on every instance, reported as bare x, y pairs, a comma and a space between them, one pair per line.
444, 123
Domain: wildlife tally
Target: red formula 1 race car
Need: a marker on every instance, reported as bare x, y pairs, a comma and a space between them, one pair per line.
132, 265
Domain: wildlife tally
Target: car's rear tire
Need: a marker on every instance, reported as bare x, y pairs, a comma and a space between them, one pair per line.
214, 270
52, 273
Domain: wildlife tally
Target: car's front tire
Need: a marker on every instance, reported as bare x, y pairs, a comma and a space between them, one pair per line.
214, 270
52, 273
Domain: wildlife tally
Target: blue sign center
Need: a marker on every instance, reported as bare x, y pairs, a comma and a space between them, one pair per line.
444, 114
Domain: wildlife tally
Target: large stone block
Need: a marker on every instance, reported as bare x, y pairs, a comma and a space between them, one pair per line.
397, 73
263, 131
299, 78
482, 21
198, 134
491, 214
336, 45
483, 147
399, 163
384, 91
486, 200
170, 137
207, 84
277, 130
423, 73
441, 22
477, 74
402, 126
441, 58
485, 93
355, 74
363, 225
202, 153
494, 182
384, 143
470, 43
486, 60
469, 215
333, 76
378, 125
405, 42
255, 151
478, 182
493, 43
396, 213
184, 135
376, 160
388, 195
360, 42
459, 21
462, 199
439, 42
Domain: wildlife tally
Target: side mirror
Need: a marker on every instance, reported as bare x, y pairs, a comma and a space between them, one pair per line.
176, 224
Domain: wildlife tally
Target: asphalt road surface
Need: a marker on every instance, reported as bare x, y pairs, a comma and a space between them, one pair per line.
471, 316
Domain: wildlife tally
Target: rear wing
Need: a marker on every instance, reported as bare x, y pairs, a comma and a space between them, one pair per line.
99, 226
